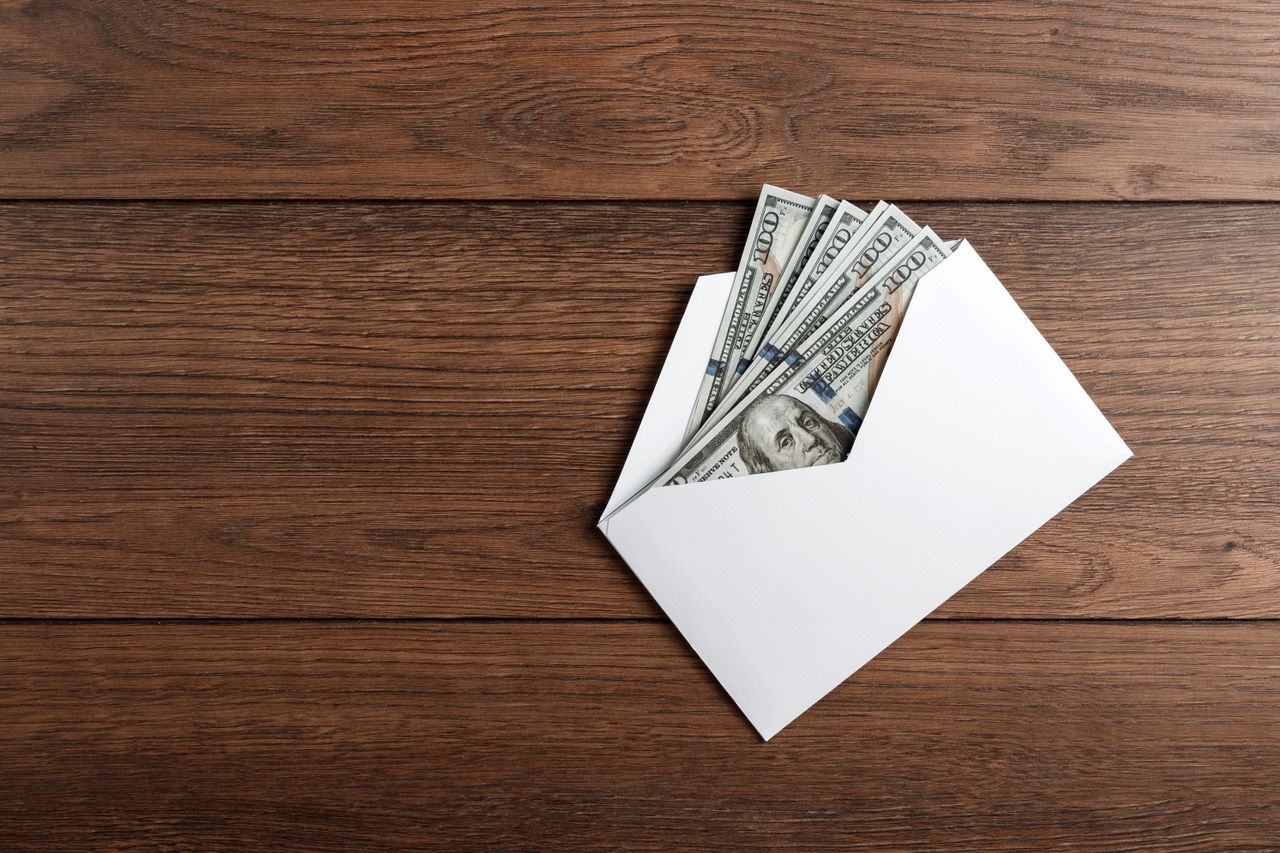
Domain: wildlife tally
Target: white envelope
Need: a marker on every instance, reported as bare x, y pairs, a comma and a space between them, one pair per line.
785, 584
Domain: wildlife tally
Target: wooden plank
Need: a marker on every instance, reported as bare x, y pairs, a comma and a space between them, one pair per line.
665, 99
363, 410
981, 736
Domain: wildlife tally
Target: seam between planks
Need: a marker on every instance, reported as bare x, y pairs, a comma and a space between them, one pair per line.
574, 620
568, 201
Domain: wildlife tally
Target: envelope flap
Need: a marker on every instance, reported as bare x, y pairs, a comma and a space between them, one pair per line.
984, 401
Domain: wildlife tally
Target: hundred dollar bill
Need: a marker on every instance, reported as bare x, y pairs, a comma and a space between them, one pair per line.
835, 223
809, 412
823, 210
870, 248
867, 252
845, 225
775, 230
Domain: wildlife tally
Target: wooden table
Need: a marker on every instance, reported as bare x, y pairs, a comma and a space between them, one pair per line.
324, 330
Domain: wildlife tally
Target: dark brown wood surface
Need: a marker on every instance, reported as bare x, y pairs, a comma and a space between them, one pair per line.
418, 411
325, 328
1021, 736
655, 100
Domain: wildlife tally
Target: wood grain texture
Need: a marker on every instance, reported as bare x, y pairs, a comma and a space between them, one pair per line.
347, 412
389, 410
585, 736
459, 100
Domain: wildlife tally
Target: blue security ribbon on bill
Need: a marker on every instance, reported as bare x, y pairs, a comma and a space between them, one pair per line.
850, 419
822, 388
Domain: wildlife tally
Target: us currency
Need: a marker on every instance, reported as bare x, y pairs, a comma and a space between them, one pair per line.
823, 210
779, 219
804, 268
870, 248
846, 225
809, 412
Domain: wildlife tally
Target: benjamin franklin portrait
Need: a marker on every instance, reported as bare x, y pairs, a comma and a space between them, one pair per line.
778, 432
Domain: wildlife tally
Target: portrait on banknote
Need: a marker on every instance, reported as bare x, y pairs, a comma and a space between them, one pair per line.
778, 432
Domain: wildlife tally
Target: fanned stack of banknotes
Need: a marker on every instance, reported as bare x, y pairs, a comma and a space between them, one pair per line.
816, 303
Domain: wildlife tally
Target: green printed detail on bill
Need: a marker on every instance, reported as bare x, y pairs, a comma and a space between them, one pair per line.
831, 222
882, 233
809, 411
776, 228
